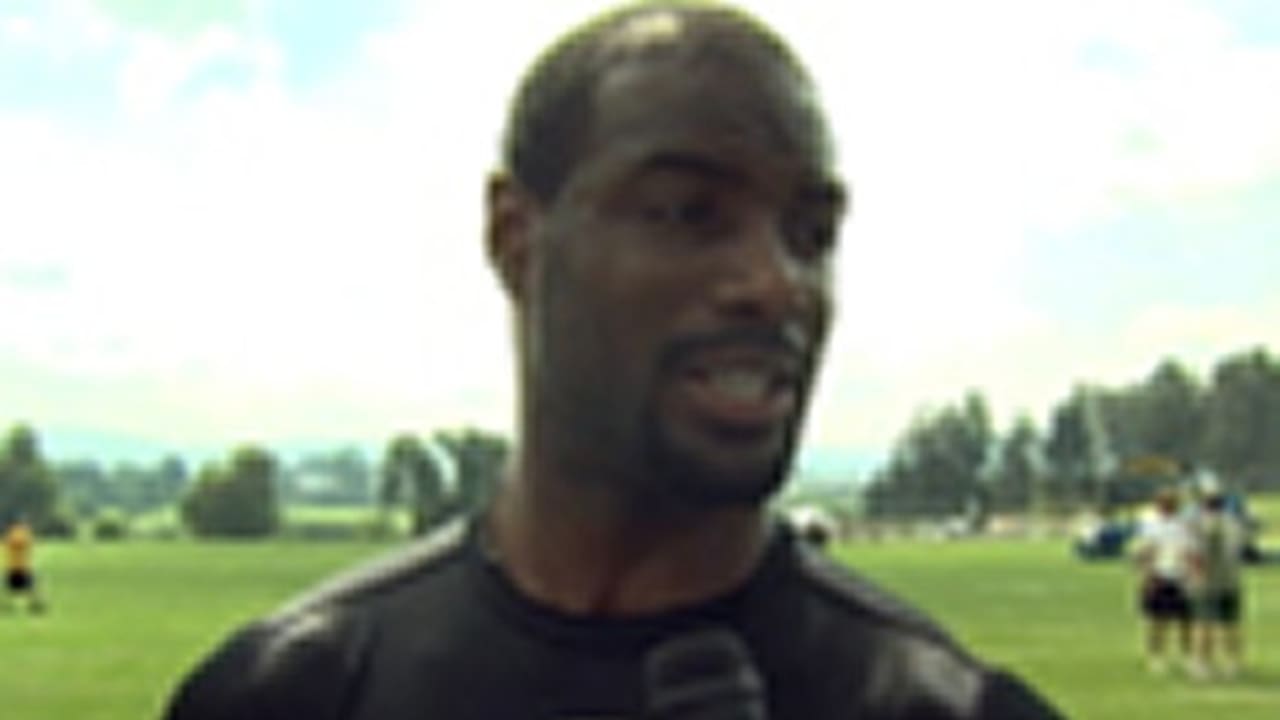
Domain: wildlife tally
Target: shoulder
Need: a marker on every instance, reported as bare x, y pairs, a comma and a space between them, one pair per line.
914, 665
382, 576
306, 659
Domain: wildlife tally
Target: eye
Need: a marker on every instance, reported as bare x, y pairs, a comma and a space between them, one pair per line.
811, 235
699, 212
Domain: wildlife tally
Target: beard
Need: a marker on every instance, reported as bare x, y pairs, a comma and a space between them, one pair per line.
686, 475
717, 467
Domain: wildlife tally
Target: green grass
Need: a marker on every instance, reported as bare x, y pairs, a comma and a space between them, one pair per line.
1071, 627
128, 620
1266, 508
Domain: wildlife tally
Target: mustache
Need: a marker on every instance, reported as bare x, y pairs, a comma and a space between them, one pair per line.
790, 340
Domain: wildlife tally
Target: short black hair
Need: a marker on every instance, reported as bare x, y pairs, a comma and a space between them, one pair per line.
552, 110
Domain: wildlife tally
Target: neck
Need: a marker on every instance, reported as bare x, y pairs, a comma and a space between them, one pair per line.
580, 548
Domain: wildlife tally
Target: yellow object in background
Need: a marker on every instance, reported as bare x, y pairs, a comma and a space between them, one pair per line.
17, 545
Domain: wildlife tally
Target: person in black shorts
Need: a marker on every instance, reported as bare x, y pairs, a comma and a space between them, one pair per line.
1166, 600
1164, 552
1218, 589
20, 576
665, 226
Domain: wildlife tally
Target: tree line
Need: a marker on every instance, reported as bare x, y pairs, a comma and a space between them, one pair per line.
1102, 447
437, 476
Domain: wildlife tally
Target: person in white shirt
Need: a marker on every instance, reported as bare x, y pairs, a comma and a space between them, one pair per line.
1165, 551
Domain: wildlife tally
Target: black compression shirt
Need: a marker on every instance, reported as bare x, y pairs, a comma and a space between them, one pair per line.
437, 632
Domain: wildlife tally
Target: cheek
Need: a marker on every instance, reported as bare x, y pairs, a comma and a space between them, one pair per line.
638, 293
652, 310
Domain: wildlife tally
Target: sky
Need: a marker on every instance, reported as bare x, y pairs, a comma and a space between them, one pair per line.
240, 220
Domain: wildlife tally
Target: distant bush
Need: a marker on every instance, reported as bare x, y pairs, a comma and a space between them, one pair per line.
108, 526
378, 528
237, 500
58, 524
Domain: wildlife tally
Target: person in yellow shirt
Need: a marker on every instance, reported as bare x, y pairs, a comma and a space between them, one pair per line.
20, 576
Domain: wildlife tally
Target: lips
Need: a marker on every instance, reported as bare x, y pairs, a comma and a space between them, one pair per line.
743, 389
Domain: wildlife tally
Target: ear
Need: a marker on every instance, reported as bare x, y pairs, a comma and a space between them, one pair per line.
512, 220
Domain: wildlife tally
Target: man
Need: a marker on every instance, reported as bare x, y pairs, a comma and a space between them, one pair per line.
1164, 552
20, 576
1217, 593
665, 228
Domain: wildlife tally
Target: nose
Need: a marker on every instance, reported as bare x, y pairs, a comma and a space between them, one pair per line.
763, 279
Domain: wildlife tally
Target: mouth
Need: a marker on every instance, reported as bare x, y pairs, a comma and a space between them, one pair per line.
743, 389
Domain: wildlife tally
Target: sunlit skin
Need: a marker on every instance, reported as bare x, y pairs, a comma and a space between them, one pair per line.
691, 246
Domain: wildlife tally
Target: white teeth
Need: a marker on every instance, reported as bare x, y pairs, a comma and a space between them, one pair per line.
741, 384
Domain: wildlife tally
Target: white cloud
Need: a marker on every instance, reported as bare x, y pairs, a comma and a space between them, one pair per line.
282, 266
63, 30
18, 30
972, 130
159, 66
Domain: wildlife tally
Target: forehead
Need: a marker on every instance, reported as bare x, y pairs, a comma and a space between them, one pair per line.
758, 113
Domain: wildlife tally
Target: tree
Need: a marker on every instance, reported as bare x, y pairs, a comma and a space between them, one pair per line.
351, 477
1116, 423
1161, 416
412, 475
1079, 450
22, 446
130, 485
172, 478
1020, 466
479, 458
338, 477
1242, 419
84, 484
936, 468
416, 472
28, 486
898, 490
235, 500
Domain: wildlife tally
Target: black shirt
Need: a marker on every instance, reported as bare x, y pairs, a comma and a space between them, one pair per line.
437, 632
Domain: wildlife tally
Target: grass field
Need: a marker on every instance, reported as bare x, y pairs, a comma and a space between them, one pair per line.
129, 619
1070, 626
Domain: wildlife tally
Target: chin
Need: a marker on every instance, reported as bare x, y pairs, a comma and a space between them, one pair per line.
705, 466
722, 477
722, 491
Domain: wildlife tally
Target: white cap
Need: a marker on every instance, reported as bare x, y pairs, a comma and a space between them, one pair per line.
1207, 482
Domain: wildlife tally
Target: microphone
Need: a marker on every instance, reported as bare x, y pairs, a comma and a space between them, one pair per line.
704, 675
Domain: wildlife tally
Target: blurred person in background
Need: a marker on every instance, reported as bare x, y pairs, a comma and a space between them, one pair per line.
1217, 591
1164, 552
20, 575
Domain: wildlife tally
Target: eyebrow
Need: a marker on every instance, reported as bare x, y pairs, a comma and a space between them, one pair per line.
819, 188
690, 163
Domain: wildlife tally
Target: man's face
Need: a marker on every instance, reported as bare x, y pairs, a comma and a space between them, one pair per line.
681, 290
